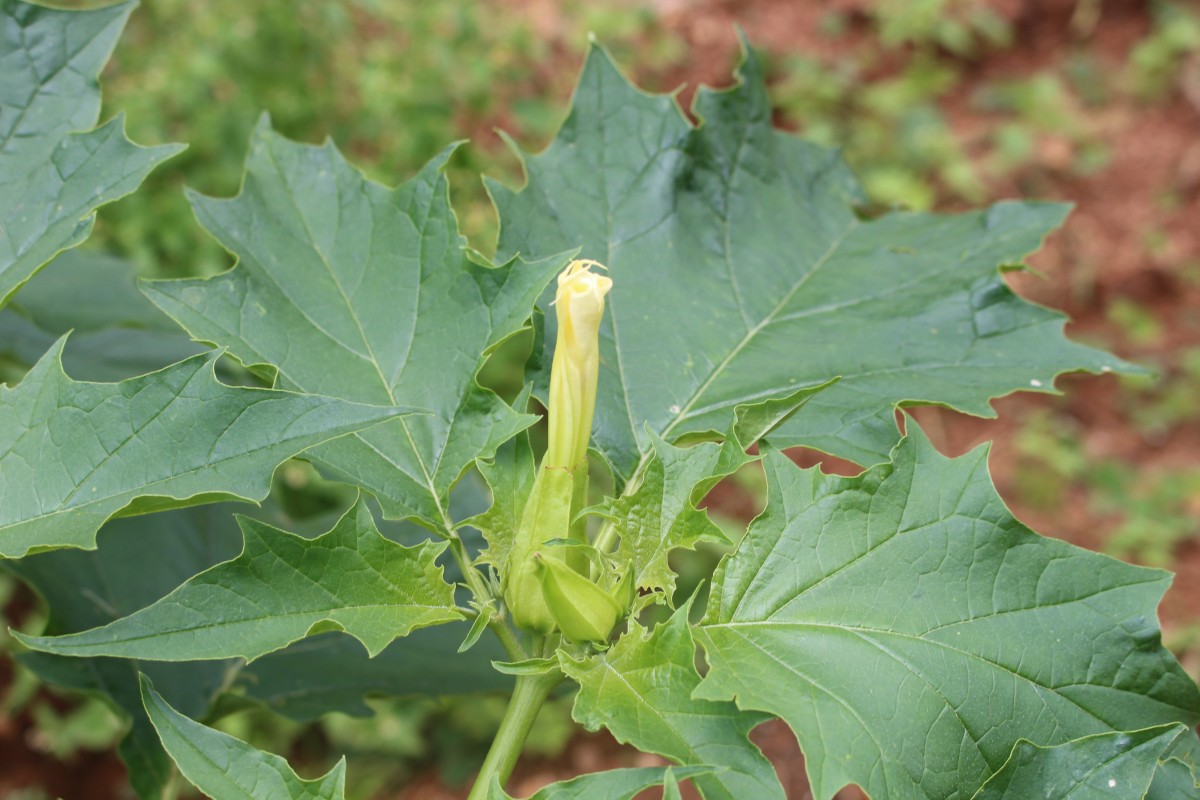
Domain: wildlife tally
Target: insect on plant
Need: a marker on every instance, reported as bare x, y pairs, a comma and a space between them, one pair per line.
693, 291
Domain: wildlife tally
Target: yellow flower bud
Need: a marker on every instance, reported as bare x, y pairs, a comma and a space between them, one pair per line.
560, 489
579, 305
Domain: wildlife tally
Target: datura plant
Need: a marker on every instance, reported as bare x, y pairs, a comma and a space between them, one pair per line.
918, 639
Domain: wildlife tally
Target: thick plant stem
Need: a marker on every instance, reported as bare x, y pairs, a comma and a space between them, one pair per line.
479, 589
508, 640
530, 693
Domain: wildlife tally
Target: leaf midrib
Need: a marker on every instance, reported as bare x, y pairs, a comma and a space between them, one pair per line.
426, 475
333, 275
610, 669
763, 323
422, 607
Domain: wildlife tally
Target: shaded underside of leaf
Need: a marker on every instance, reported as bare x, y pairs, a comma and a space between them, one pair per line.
332, 672
116, 332
53, 177
1099, 767
278, 590
356, 290
86, 588
920, 630
742, 271
73, 454
195, 687
641, 691
225, 768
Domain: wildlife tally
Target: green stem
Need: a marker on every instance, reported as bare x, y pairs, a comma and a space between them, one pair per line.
530, 693
479, 589
471, 575
508, 640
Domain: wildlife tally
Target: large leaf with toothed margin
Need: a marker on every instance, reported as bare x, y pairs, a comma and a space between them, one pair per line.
74, 454
229, 769
742, 271
911, 631
641, 691
281, 587
352, 289
55, 171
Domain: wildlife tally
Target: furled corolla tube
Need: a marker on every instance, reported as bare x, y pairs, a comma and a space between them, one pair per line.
579, 306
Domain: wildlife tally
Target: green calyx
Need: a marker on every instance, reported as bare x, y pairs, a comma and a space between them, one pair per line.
582, 609
547, 515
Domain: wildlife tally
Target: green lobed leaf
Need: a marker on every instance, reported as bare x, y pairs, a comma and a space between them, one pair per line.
74, 454
615, 784
86, 588
281, 588
332, 672
920, 630
742, 271
658, 513
355, 290
510, 476
117, 332
54, 171
1100, 767
225, 768
641, 691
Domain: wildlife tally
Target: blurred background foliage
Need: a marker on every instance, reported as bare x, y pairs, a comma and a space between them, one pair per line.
391, 83
938, 104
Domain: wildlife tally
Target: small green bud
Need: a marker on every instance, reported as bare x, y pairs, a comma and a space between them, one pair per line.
581, 609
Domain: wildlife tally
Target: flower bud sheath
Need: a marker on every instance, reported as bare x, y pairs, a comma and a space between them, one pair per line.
560, 489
